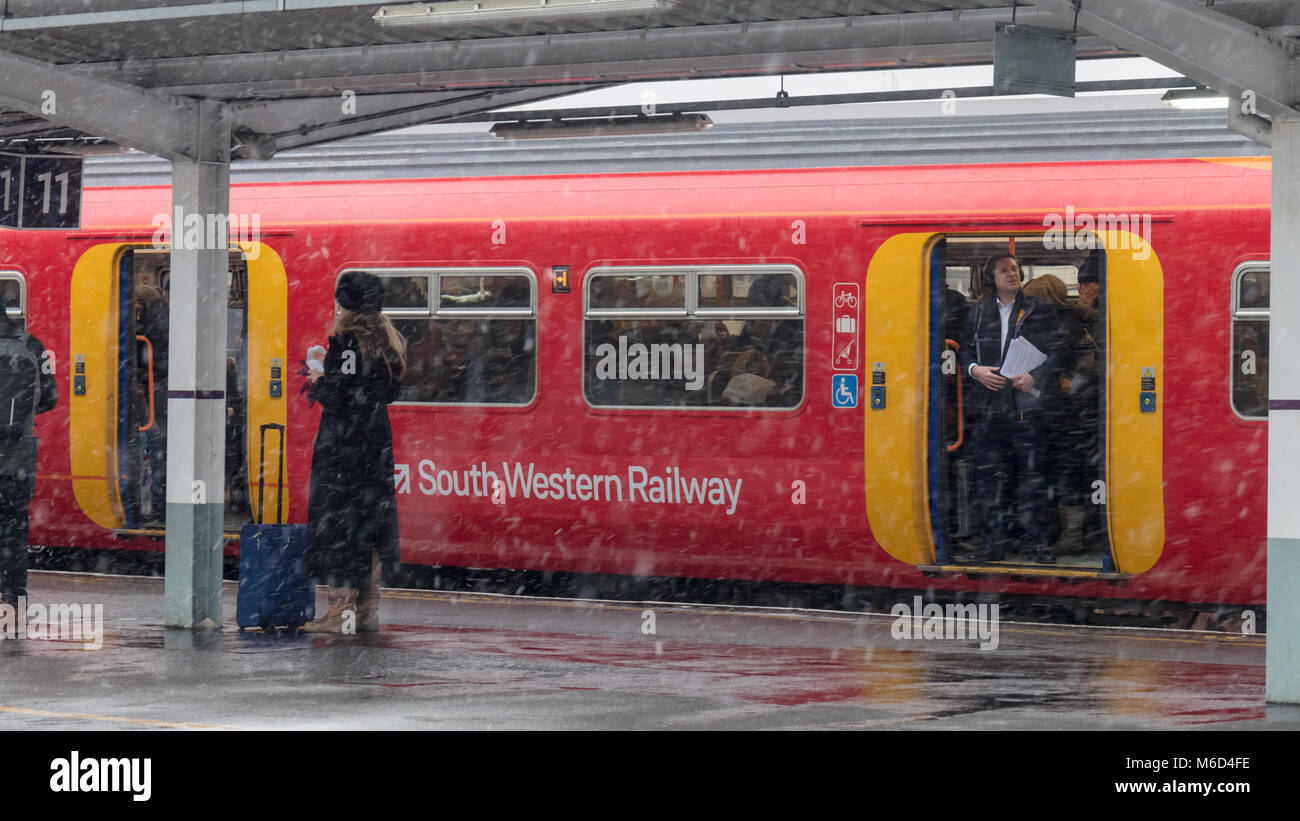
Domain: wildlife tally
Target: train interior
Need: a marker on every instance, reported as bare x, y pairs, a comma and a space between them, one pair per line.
1067, 479
142, 407
746, 324
11, 297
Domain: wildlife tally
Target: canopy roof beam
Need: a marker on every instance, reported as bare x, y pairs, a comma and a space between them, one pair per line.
135, 117
721, 50
1223, 53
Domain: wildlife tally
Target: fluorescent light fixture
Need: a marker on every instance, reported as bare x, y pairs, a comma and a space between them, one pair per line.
490, 12
602, 127
62, 147
1194, 98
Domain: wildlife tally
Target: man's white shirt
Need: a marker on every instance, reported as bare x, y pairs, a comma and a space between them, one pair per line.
1004, 311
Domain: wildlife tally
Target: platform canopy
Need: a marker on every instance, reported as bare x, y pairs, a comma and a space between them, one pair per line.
300, 72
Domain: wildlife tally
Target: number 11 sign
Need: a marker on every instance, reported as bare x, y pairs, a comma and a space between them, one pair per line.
40, 191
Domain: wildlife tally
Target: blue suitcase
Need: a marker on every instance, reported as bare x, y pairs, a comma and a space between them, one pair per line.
274, 588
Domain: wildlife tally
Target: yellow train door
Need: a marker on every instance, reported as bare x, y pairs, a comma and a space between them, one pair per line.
1100, 484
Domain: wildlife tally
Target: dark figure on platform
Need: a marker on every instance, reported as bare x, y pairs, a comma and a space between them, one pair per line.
352, 511
24, 392
1004, 414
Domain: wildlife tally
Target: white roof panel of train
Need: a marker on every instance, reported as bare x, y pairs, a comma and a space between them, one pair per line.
1052, 137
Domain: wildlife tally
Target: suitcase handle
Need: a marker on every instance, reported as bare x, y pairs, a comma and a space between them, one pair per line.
261, 474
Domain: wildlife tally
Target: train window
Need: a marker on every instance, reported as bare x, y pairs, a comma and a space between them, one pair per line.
740, 345
406, 292
1250, 312
501, 292
959, 279
473, 361
1252, 292
477, 347
637, 293
13, 294
1068, 274
728, 292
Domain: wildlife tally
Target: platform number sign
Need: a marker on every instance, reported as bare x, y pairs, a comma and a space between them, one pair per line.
11, 183
40, 191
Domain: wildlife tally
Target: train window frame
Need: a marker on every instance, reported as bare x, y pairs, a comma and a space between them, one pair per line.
1236, 314
653, 313
16, 276
432, 311
693, 311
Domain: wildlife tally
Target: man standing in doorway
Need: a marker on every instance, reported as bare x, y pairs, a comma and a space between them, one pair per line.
24, 392
1007, 436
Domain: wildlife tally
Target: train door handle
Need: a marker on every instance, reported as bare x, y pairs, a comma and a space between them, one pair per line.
148, 347
961, 415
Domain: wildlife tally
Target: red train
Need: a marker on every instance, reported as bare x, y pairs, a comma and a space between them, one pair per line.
731, 375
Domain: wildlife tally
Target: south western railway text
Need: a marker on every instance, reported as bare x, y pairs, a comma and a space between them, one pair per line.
639, 485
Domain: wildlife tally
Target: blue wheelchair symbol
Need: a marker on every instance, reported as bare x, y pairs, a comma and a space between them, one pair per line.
844, 390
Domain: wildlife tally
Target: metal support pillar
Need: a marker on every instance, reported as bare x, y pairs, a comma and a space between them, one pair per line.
1282, 656
196, 390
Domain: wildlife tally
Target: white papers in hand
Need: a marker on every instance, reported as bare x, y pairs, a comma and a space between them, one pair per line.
1022, 357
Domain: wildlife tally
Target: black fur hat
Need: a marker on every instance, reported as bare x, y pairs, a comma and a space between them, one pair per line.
359, 291
1088, 271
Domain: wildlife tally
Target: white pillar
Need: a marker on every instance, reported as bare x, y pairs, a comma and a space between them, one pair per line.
1282, 657
196, 379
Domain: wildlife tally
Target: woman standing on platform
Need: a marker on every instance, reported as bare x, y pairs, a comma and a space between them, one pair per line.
352, 512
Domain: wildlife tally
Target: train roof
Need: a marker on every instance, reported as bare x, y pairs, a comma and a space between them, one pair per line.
825, 143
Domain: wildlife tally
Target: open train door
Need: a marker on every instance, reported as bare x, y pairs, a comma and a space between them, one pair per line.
1101, 490
119, 339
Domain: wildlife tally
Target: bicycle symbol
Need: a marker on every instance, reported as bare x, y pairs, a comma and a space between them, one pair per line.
844, 299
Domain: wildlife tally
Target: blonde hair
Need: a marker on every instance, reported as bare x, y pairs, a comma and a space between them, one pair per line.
1048, 287
376, 336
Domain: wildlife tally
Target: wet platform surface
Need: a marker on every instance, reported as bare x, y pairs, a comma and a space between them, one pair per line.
468, 661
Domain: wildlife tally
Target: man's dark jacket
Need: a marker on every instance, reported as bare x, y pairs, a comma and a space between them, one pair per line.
1031, 319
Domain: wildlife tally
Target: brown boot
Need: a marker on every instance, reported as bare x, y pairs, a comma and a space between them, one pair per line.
368, 599
1071, 540
340, 599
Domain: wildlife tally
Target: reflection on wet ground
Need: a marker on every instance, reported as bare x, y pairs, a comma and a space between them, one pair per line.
457, 661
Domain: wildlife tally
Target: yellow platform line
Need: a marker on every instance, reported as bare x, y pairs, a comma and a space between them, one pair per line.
1023, 628
152, 722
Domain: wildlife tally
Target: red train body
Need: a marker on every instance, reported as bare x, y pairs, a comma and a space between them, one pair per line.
1210, 217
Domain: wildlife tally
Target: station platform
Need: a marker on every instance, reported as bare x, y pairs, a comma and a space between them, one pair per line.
472, 661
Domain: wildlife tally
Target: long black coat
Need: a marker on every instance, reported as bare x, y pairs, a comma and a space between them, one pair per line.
353, 504
18, 457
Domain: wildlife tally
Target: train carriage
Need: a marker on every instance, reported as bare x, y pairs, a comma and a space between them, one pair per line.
584, 394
